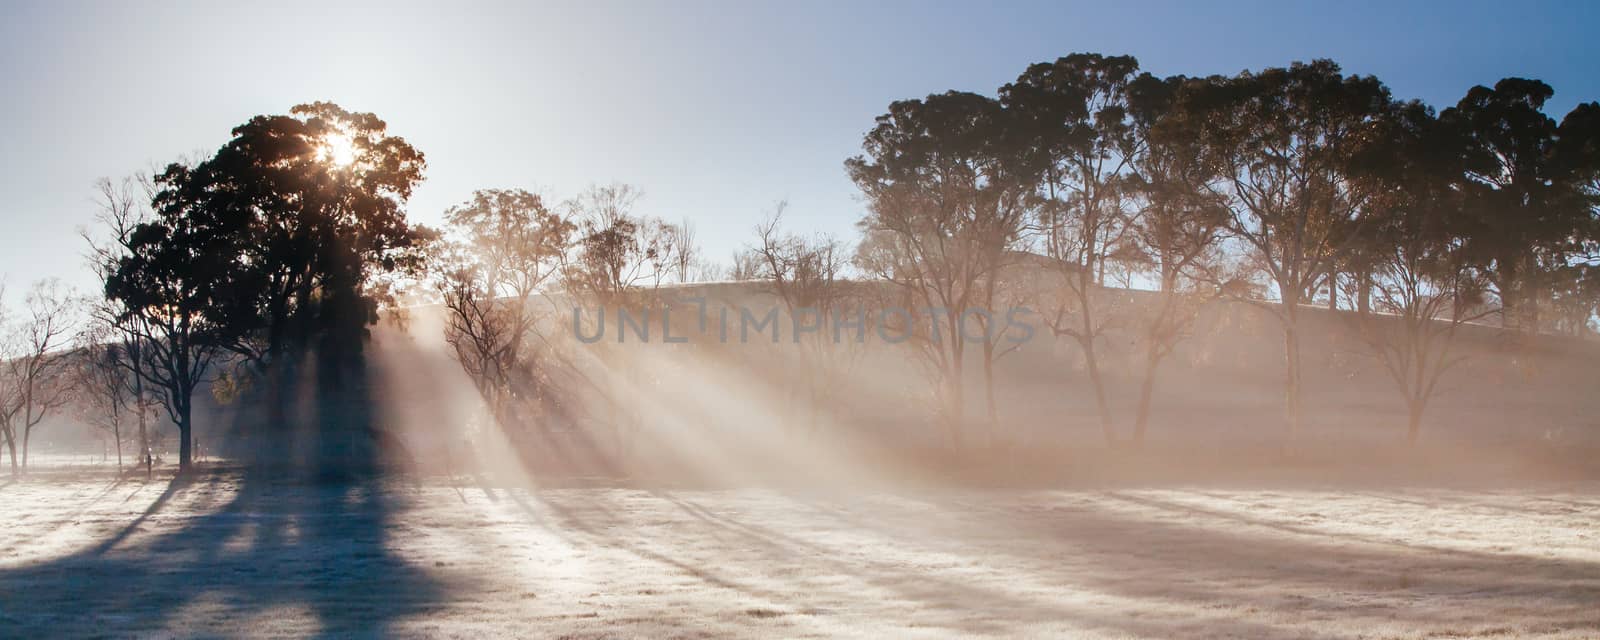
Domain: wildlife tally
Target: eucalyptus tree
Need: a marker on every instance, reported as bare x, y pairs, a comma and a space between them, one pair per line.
1074, 115
1530, 191
1283, 140
622, 259
163, 282
1421, 278
947, 190
806, 274
308, 208
1175, 232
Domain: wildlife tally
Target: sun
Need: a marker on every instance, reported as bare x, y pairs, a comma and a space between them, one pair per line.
337, 149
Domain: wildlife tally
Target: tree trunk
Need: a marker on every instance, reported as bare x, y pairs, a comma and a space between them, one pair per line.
1093, 364
11, 446
988, 394
27, 434
1291, 343
1146, 390
185, 441
957, 402
1413, 422
116, 432
1364, 292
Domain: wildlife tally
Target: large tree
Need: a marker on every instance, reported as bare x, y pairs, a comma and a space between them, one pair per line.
1075, 115
1529, 189
165, 290
1283, 140
309, 206
1418, 270
1176, 225
947, 190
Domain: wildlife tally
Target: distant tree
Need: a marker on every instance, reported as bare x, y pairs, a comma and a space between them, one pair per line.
681, 241
946, 190
621, 262
123, 207
504, 247
619, 253
1076, 114
806, 275
100, 375
746, 266
1283, 139
1175, 232
36, 382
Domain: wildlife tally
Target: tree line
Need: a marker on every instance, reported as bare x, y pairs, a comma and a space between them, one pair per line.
263, 266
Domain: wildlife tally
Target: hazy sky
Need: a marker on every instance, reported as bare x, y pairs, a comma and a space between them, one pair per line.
716, 110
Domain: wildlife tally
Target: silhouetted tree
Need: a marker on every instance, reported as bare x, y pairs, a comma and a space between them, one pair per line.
307, 207
123, 206
166, 289
1527, 199
1421, 278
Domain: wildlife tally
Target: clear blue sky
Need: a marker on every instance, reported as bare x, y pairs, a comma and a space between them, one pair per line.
716, 110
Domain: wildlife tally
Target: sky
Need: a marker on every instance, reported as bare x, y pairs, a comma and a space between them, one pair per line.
716, 110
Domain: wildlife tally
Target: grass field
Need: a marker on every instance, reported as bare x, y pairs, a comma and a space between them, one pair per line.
85, 554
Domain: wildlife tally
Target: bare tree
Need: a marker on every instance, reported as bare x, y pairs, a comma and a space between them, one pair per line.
622, 260
1421, 273
806, 276
121, 210
36, 364
100, 375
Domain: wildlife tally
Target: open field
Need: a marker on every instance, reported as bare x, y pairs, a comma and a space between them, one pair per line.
82, 554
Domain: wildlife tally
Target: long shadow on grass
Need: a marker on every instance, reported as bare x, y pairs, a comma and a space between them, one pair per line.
278, 556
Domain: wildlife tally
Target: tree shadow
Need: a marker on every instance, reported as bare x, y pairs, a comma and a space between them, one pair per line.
225, 549
308, 559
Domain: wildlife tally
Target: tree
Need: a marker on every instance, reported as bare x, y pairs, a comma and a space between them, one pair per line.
1529, 212
1283, 139
306, 208
805, 274
100, 376
622, 260
1421, 276
1176, 230
1075, 110
946, 189
168, 297
505, 246
36, 383
123, 207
